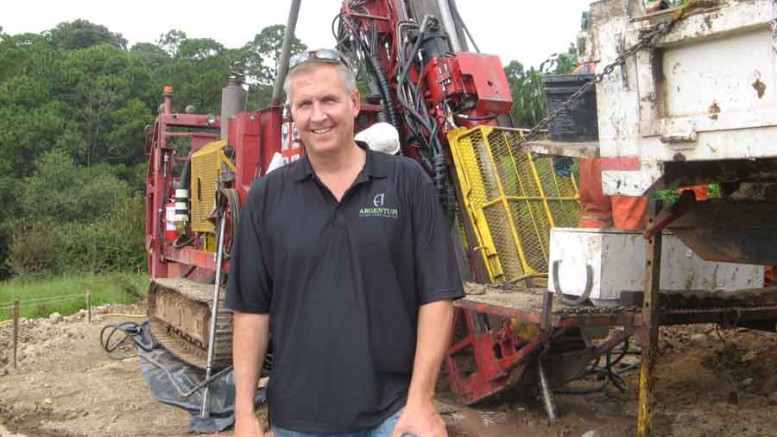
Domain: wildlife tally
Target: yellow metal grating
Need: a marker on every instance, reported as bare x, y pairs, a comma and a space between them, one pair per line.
512, 199
206, 166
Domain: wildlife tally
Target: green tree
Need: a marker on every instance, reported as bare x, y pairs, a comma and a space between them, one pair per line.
81, 34
26, 54
170, 41
74, 102
260, 67
529, 106
62, 191
264, 52
199, 70
74, 219
528, 98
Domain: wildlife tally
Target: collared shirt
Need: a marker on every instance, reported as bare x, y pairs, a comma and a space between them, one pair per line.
342, 282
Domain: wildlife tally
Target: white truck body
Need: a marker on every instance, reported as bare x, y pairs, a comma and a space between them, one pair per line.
706, 92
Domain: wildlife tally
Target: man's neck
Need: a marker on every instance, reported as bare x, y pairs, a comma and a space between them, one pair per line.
338, 171
344, 161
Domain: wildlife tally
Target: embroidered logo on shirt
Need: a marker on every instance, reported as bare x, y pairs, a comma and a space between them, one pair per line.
379, 209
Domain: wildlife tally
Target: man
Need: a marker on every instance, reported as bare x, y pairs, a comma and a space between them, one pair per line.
345, 257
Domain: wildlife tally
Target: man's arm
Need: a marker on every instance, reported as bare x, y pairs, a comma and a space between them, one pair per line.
251, 334
419, 417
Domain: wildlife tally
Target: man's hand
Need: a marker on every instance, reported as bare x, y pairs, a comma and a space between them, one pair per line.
249, 427
420, 420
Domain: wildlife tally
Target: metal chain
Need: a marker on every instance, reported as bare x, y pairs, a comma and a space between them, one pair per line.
648, 39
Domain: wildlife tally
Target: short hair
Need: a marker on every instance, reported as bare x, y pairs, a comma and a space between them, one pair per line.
346, 74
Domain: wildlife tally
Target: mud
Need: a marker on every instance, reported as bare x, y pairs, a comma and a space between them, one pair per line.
709, 383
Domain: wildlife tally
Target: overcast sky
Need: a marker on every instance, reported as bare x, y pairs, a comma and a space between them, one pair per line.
523, 30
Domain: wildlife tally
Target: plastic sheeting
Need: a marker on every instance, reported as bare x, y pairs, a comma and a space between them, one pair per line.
170, 381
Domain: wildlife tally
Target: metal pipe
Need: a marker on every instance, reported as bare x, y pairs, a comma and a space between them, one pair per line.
450, 25
283, 62
205, 410
546, 323
233, 102
167, 94
547, 394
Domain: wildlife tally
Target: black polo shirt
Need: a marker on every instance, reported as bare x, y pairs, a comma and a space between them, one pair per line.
342, 283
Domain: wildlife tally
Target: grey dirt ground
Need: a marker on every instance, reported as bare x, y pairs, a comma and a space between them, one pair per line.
708, 384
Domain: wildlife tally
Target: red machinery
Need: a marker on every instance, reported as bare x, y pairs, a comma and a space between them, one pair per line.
428, 85
218, 173
422, 81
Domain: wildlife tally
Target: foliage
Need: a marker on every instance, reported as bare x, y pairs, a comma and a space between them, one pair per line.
81, 34
99, 191
529, 106
74, 102
113, 243
33, 250
97, 227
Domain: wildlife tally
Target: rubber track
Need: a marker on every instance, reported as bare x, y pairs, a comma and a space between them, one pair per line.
194, 353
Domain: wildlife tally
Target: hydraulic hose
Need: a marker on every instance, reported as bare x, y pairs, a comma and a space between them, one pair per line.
385, 90
186, 178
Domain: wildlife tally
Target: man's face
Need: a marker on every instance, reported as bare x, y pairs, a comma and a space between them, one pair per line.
323, 110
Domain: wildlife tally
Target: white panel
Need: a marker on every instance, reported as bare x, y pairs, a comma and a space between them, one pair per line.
617, 259
735, 73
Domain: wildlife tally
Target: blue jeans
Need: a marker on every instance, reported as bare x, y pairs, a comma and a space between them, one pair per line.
382, 430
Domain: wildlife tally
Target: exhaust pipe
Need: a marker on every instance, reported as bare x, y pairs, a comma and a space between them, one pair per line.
233, 101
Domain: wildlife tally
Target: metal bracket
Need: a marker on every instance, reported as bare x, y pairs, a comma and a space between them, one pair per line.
589, 284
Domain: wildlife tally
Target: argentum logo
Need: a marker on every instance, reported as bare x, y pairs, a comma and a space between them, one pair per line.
380, 209
379, 212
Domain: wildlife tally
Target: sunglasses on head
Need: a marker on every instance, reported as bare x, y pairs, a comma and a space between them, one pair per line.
326, 55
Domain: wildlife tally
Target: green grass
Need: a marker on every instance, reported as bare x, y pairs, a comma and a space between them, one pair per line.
67, 294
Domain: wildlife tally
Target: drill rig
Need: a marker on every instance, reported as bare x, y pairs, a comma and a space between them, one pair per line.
451, 107
500, 191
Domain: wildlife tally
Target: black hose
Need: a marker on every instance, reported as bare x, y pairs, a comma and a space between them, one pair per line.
586, 390
179, 244
188, 271
186, 179
478, 117
461, 22
607, 373
161, 211
385, 90
130, 332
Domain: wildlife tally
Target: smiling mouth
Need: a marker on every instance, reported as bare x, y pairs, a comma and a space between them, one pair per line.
322, 130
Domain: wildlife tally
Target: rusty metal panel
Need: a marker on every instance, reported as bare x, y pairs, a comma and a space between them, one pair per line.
737, 232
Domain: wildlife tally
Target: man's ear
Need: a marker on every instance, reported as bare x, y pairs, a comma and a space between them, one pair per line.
357, 102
